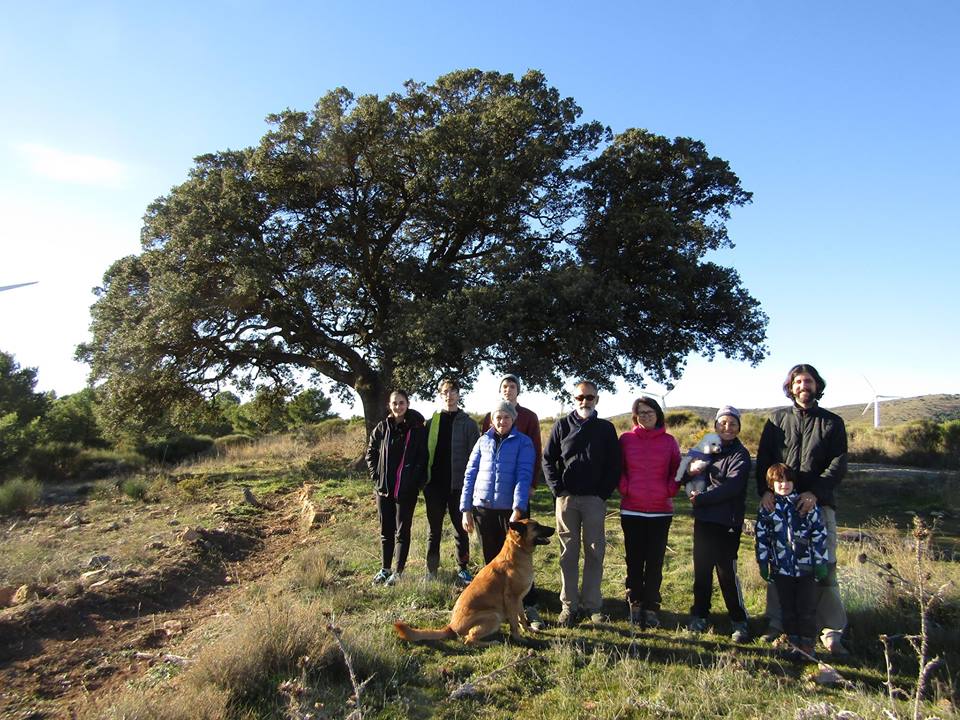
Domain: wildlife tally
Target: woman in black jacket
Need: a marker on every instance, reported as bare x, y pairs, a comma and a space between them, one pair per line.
397, 460
717, 524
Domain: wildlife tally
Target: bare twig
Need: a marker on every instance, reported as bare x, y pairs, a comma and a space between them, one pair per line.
469, 688
357, 686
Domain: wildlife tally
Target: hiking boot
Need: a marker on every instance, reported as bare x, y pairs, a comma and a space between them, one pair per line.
393, 579
597, 617
533, 617
464, 577
636, 614
772, 635
741, 632
382, 576
650, 619
431, 575
567, 618
697, 624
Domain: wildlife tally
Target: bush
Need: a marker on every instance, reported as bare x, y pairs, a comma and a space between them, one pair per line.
176, 448
134, 488
58, 461
17, 495
226, 442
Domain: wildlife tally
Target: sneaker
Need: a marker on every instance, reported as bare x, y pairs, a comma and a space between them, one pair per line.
697, 624
741, 632
464, 577
393, 579
835, 647
381, 577
533, 617
567, 618
650, 619
636, 614
597, 617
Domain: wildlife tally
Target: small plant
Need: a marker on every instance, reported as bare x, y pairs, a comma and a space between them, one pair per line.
926, 598
134, 488
17, 495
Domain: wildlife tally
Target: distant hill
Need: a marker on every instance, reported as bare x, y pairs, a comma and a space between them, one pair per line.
938, 408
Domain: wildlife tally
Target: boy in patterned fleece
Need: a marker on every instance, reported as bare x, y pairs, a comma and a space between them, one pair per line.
792, 554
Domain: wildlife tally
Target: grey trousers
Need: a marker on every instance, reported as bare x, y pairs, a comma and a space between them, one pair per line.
831, 617
580, 521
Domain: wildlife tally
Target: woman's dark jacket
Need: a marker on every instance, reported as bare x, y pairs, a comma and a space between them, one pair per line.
397, 456
725, 497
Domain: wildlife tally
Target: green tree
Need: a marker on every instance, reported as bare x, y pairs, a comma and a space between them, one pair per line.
267, 411
21, 408
17, 394
381, 241
73, 419
308, 406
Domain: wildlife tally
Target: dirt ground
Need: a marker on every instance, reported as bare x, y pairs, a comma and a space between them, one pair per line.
85, 633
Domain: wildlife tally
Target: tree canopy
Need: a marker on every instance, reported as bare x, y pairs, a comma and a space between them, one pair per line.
381, 241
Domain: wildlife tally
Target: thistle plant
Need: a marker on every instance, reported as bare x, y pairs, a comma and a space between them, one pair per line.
919, 588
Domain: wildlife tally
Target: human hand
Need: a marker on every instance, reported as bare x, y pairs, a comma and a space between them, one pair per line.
806, 502
516, 515
767, 502
468, 521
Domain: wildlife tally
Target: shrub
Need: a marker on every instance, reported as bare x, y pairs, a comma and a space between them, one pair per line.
225, 442
176, 448
57, 461
134, 488
951, 443
17, 494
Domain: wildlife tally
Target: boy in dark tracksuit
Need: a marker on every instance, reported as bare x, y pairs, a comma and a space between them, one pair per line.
792, 554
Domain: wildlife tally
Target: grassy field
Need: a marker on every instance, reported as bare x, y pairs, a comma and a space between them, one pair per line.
271, 653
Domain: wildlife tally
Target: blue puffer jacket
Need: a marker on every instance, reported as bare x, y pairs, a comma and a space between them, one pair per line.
498, 477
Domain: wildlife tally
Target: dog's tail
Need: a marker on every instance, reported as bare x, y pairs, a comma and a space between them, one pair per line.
413, 635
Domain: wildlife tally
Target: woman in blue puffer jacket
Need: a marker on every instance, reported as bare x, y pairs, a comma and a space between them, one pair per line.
496, 485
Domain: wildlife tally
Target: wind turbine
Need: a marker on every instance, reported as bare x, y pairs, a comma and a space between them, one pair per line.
11, 287
660, 396
876, 403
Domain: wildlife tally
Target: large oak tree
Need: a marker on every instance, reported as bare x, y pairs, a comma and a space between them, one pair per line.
380, 241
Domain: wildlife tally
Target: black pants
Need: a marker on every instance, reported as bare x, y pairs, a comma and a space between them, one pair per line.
645, 542
493, 526
798, 604
396, 517
440, 504
716, 546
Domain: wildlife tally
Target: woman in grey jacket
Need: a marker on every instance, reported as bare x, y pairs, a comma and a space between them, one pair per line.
451, 435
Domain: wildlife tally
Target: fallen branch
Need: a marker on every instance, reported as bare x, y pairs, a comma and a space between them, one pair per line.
357, 686
468, 689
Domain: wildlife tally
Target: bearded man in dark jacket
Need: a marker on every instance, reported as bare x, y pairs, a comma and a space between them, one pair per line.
812, 441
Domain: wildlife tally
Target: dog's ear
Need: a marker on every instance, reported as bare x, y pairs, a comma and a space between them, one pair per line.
517, 526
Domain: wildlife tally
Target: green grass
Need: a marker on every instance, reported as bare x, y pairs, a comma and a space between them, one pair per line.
610, 671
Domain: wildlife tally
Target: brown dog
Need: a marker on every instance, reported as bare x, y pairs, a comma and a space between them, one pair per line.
496, 593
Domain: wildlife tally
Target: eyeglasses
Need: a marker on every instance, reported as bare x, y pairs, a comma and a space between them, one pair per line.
645, 413
588, 398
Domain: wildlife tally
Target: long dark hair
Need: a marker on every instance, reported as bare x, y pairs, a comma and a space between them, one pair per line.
809, 370
652, 404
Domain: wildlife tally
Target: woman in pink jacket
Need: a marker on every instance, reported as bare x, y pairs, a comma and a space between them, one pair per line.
650, 458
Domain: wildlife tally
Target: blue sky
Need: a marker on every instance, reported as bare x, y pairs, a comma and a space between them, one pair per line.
841, 118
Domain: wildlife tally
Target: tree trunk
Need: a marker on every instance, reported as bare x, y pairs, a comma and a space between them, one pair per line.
374, 396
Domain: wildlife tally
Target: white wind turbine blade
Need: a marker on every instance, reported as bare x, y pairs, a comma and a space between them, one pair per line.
18, 285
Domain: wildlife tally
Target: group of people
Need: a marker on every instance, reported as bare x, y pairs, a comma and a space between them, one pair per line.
484, 477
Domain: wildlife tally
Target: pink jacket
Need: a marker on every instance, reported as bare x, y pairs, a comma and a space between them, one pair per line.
650, 459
